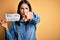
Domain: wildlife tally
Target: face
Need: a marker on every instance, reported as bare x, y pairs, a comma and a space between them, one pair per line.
24, 9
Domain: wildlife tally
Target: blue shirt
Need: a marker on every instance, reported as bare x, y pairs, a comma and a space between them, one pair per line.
26, 31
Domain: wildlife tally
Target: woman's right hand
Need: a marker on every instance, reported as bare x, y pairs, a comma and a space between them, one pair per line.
4, 24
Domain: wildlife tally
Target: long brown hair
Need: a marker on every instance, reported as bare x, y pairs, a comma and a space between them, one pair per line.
18, 10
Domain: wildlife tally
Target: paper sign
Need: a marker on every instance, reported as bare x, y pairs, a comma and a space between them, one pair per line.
12, 17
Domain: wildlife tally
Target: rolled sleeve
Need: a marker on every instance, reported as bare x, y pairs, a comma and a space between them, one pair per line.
35, 18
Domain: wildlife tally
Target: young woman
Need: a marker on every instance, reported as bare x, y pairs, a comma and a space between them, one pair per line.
25, 28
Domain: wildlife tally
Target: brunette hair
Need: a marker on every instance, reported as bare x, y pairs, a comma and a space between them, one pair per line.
18, 10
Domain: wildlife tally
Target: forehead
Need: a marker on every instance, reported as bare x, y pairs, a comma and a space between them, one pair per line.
24, 5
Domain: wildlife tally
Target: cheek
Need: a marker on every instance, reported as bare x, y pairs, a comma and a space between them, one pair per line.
21, 11
27, 10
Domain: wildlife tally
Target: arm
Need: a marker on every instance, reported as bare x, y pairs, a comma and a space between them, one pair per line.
35, 18
10, 33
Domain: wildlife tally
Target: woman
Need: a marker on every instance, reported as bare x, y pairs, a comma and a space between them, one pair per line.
25, 28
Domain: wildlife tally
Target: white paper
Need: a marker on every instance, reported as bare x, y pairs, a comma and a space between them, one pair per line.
12, 17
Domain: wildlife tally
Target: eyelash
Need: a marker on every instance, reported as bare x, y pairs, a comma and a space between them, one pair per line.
23, 8
26, 8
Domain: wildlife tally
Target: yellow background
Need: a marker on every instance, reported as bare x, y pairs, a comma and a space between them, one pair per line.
48, 10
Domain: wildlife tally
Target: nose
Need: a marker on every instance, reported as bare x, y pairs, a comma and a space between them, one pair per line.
24, 10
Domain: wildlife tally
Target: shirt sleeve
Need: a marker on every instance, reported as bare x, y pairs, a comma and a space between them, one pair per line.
10, 34
35, 18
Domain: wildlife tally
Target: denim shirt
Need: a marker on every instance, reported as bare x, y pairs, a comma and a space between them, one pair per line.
26, 30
